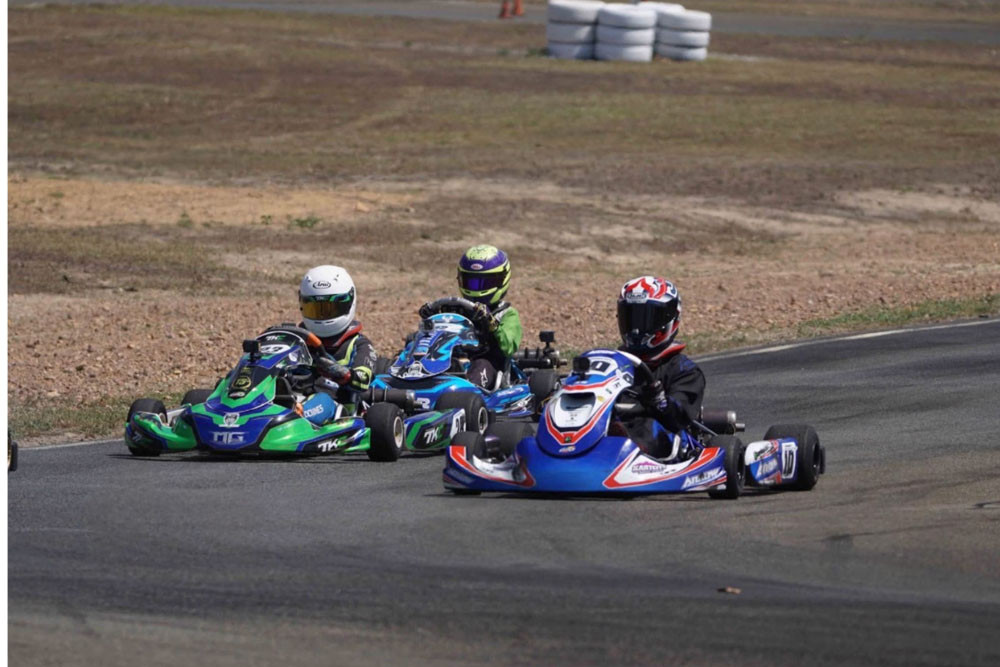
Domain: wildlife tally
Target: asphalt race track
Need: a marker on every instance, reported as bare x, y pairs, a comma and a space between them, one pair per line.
892, 559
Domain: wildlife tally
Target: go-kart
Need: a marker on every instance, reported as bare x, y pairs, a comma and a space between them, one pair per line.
593, 440
432, 368
257, 409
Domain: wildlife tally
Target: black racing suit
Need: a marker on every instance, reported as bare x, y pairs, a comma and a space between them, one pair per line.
684, 384
353, 350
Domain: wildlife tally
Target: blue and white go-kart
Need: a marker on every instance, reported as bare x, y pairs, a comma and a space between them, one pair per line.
430, 371
588, 443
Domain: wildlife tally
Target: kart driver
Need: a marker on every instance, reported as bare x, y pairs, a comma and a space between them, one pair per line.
483, 277
328, 305
649, 313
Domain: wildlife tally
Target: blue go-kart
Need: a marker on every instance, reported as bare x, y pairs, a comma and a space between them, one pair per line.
594, 439
427, 379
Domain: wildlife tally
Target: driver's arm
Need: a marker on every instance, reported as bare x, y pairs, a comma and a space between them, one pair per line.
362, 365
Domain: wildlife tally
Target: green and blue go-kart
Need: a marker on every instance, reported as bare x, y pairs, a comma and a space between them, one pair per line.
432, 368
257, 410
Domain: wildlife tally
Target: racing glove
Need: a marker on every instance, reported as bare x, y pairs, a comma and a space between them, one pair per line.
425, 311
329, 368
483, 319
665, 408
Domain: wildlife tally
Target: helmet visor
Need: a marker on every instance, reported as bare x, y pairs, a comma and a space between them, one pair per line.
479, 282
644, 317
326, 307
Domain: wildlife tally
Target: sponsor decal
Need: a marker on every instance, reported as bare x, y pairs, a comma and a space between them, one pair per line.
647, 468
312, 412
767, 468
230, 419
274, 348
458, 422
432, 435
702, 477
567, 438
477, 267
321, 284
566, 450
327, 445
228, 438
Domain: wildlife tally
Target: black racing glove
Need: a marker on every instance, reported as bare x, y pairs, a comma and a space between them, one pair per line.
329, 368
425, 311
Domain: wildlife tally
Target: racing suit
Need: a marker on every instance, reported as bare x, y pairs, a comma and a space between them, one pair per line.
501, 336
353, 372
683, 384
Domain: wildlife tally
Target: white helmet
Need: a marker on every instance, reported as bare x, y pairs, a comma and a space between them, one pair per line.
326, 300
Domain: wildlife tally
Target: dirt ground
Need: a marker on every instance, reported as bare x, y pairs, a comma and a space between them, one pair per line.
146, 239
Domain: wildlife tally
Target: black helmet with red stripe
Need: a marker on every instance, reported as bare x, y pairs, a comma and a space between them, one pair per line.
649, 313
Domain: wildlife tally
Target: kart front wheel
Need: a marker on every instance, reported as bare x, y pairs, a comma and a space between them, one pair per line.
733, 464
385, 421
543, 384
508, 434
477, 417
810, 455
196, 396
154, 406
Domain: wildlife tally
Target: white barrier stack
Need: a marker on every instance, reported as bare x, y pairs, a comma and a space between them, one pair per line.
682, 34
625, 32
571, 28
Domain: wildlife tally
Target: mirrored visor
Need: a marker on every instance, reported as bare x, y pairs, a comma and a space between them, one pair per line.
478, 282
326, 307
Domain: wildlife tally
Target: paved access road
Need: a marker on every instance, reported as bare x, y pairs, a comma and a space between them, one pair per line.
892, 559
722, 22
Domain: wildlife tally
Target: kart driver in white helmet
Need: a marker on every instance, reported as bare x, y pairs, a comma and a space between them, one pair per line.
328, 304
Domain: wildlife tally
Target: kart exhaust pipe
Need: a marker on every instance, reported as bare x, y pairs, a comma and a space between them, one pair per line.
722, 421
404, 398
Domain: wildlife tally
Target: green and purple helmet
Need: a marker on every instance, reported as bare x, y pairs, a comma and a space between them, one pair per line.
484, 274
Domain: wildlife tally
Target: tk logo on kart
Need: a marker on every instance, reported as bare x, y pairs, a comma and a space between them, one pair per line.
228, 438
432, 435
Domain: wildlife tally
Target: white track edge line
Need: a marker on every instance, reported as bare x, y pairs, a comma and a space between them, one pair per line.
863, 336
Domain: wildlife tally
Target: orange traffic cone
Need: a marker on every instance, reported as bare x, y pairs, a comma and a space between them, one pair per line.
505, 10
518, 9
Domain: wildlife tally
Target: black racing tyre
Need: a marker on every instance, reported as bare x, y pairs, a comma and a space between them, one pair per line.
382, 365
543, 383
477, 417
735, 468
11, 453
153, 405
387, 432
475, 445
810, 456
508, 434
196, 396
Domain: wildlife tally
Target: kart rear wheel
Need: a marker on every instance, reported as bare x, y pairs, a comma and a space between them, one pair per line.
477, 417
387, 434
382, 365
543, 383
508, 434
196, 396
810, 456
733, 463
153, 405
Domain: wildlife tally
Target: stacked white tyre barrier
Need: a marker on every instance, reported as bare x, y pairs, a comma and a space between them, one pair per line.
625, 32
682, 34
571, 28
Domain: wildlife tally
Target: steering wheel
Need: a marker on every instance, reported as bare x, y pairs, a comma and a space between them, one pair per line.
312, 341
643, 377
453, 304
